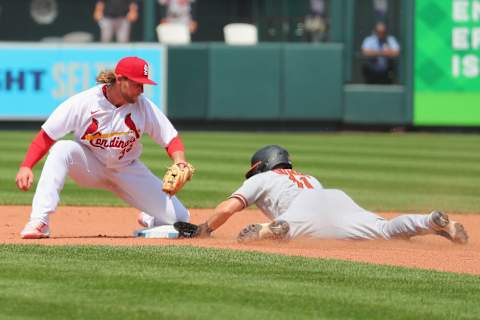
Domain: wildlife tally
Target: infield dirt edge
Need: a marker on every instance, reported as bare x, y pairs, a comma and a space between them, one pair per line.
114, 226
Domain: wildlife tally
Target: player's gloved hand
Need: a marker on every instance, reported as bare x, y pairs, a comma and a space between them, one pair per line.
190, 230
176, 176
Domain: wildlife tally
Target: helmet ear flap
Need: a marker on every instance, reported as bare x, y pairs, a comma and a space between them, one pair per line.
256, 168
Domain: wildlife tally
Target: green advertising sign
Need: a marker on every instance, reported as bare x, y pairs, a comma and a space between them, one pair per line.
447, 62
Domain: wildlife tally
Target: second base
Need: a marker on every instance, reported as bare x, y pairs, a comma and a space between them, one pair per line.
166, 231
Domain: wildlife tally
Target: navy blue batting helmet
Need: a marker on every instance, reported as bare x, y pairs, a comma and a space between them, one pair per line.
269, 158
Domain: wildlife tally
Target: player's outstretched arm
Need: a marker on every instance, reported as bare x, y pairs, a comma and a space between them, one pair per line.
221, 214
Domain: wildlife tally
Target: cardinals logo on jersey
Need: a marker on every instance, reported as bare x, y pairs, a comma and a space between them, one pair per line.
92, 129
124, 140
131, 125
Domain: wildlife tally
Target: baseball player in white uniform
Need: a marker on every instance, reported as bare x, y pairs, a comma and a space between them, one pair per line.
108, 122
299, 206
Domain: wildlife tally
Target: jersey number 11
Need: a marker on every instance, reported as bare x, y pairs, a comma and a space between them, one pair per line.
301, 181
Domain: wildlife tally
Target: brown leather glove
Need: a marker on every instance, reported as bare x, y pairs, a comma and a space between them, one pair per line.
176, 176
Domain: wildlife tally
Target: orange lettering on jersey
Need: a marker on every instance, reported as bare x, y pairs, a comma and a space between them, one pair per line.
306, 183
298, 178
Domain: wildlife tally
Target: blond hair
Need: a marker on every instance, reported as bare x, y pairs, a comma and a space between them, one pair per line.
107, 77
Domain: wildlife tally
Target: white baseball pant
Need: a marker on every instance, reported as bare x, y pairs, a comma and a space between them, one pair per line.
135, 184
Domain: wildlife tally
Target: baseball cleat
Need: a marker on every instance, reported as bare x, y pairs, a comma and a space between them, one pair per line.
452, 230
145, 220
250, 233
35, 230
276, 230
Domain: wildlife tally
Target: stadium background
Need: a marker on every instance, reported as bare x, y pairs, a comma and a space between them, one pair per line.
300, 84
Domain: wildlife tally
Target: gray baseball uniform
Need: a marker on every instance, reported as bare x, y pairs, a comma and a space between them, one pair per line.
312, 211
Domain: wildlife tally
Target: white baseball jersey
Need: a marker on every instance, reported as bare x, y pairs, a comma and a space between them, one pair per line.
105, 155
313, 211
111, 133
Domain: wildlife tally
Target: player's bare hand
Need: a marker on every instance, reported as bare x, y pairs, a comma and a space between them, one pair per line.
24, 178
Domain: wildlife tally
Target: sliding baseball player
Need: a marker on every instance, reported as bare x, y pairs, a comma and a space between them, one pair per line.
299, 206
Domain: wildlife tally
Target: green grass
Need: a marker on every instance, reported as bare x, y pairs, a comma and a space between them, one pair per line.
192, 283
387, 172
381, 171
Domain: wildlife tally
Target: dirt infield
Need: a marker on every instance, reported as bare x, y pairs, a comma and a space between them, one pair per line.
115, 226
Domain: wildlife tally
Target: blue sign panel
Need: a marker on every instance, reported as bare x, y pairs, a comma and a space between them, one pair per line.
34, 80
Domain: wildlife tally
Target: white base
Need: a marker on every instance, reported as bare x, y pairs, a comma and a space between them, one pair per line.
166, 231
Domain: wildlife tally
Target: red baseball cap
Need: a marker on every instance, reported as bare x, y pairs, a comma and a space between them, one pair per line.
135, 69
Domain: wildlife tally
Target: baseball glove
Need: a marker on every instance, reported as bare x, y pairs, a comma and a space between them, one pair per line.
176, 176
190, 230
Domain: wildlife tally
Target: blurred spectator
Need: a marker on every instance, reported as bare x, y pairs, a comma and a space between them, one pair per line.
115, 17
380, 50
179, 11
380, 8
315, 22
